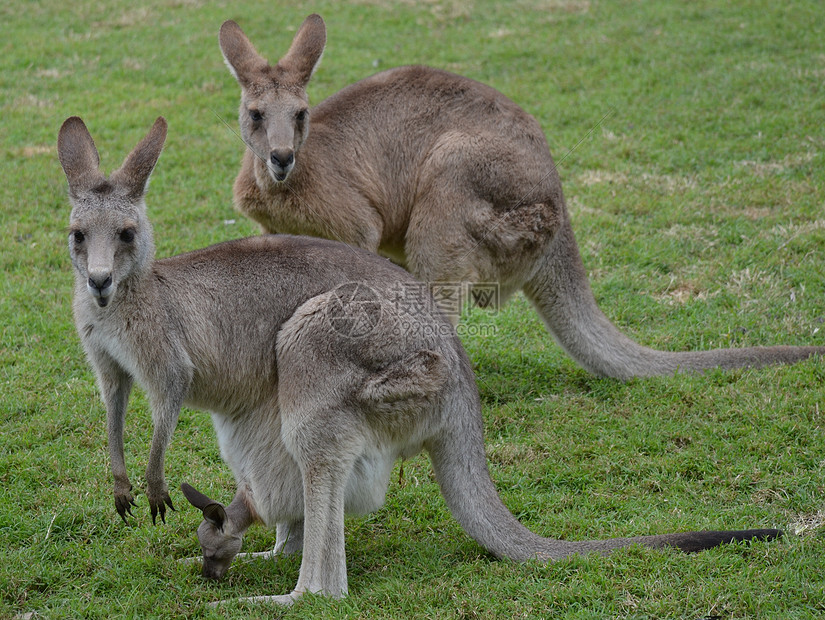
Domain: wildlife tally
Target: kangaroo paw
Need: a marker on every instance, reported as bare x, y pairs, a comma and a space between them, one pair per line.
123, 505
158, 504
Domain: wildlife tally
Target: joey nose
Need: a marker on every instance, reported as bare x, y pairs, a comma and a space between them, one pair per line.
282, 157
213, 572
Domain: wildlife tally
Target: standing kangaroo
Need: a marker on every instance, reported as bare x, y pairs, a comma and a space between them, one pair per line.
444, 175
317, 381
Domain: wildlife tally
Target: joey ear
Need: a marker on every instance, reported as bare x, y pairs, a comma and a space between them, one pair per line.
213, 511
78, 155
307, 47
195, 497
215, 514
137, 167
240, 55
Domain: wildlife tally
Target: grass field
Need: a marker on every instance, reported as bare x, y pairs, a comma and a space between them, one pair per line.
689, 138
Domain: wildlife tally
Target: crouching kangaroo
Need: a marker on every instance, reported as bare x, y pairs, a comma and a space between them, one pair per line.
316, 379
442, 174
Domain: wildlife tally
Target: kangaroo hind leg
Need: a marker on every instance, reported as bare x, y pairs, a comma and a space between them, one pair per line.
494, 224
289, 539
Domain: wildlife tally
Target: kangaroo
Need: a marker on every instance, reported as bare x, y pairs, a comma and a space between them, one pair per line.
317, 380
444, 175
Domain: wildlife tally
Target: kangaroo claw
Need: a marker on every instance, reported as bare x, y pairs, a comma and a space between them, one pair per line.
123, 505
159, 508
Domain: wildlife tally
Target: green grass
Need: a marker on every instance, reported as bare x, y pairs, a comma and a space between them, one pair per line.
690, 141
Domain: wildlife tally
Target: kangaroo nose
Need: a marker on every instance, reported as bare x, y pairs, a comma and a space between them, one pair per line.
282, 157
100, 282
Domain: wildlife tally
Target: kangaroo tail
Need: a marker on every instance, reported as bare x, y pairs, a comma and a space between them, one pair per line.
459, 461
560, 291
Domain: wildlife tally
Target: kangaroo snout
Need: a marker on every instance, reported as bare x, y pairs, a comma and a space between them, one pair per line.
281, 162
100, 286
213, 571
282, 157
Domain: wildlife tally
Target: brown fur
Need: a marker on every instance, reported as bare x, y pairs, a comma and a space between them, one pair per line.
316, 380
444, 175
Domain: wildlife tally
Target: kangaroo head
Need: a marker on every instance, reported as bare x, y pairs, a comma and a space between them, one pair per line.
220, 541
274, 114
110, 238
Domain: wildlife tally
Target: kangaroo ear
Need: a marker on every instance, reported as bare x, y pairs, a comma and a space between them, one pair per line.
213, 511
215, 514
78, 155
195, 497
239, 54
307, 47
137, 167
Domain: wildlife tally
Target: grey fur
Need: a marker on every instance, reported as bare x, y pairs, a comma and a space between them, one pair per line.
316, 379
442, 174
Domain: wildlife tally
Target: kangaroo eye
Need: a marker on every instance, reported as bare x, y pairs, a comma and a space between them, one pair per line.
301, 116
78, 236
127, 235
255, 115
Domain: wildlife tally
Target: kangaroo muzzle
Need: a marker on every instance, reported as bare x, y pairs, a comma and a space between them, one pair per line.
213, 571
101, 287
280, 164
